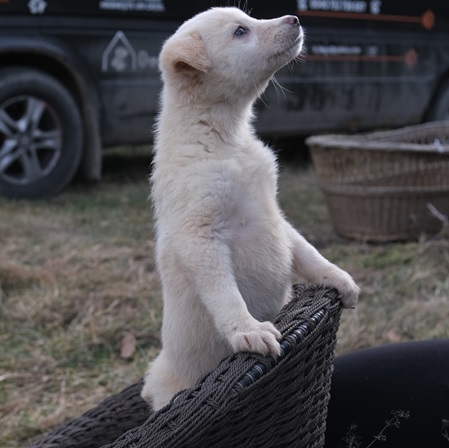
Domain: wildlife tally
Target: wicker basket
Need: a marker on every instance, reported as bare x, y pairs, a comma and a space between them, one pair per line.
385, 186
248, 400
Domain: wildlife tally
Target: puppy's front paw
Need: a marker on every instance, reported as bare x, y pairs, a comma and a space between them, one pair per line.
345, 285
258, 337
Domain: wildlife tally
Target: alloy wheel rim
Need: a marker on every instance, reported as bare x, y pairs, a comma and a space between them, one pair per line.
30, 140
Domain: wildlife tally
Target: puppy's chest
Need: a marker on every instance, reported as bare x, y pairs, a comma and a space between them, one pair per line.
251, 208
244, 216
251, 217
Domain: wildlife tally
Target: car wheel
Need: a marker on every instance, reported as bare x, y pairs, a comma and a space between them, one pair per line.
440, 107
41, 134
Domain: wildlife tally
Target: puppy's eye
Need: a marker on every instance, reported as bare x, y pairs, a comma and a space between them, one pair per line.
240, 31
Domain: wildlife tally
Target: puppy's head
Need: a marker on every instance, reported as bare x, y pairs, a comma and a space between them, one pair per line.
223, 54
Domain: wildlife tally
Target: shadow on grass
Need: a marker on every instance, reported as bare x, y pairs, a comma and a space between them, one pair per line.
127, 163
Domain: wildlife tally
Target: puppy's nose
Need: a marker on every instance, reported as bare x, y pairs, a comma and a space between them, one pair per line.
292, 20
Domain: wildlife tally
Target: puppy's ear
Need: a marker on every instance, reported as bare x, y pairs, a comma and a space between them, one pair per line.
186, 54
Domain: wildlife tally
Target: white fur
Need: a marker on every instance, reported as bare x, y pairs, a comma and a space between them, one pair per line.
226, 255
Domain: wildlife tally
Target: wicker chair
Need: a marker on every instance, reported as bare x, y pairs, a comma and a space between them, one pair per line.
247, 401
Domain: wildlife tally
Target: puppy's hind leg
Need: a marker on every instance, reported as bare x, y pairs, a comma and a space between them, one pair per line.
161, 383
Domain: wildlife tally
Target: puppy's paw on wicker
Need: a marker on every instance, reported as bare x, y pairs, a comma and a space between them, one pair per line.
259, 337
345, 285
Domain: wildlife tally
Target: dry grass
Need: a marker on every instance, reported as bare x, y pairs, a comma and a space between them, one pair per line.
80, 303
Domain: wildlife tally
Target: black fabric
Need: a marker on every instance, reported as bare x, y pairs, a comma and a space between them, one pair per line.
371, 387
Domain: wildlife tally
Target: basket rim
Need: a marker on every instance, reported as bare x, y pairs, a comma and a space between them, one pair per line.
373, 190
385, 140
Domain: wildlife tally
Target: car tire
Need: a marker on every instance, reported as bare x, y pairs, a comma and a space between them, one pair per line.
41, 134
439, 109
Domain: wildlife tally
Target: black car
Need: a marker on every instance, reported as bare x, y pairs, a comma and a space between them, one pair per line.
77, 76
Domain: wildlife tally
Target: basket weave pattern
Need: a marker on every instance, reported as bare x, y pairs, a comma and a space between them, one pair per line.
378, 185
247, 401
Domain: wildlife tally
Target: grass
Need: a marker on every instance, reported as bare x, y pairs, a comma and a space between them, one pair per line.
80, 303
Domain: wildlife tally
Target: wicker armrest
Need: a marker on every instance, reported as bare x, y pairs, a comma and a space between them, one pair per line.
247, 401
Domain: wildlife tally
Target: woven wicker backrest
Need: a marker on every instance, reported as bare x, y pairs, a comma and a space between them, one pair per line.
247, 401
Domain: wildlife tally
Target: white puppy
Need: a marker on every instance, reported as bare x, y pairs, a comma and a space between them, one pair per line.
226, 255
